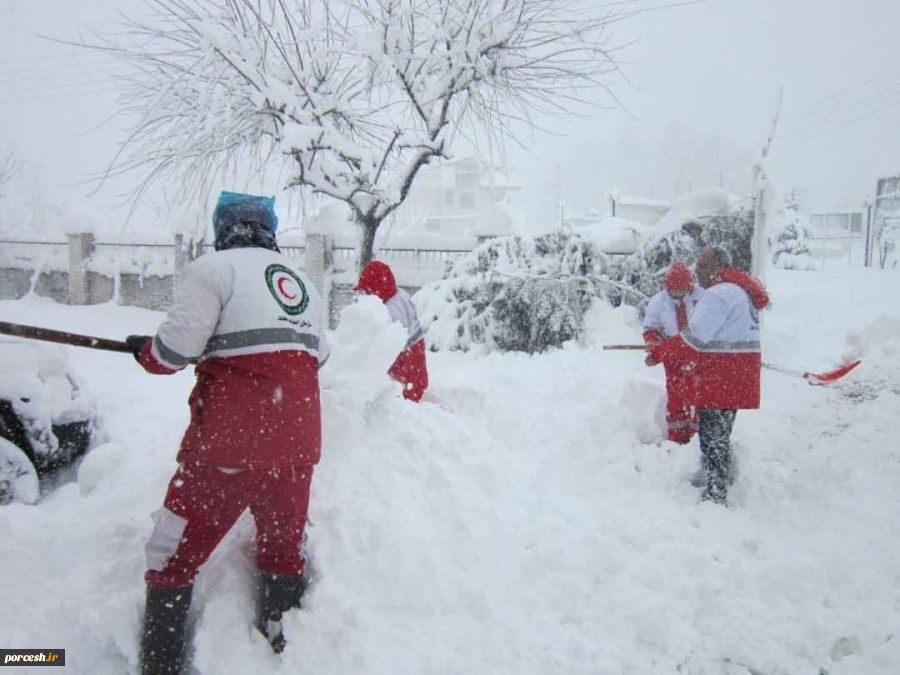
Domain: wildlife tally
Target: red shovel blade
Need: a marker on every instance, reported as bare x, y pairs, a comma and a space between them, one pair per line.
821, 379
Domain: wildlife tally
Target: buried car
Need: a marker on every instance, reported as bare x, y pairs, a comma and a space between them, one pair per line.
47, 417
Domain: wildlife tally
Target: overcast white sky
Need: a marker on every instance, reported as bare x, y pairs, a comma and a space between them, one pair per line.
704, 78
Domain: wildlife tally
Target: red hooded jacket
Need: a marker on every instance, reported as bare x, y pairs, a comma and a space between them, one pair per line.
409, 368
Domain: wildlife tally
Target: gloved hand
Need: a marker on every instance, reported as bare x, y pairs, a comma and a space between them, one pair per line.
136, 344
657, 353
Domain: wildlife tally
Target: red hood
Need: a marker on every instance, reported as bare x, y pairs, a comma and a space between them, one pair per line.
377, 279
751, 285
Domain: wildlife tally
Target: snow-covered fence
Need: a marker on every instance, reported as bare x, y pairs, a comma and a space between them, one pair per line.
413, 268
85, 271
21, 259
837, 238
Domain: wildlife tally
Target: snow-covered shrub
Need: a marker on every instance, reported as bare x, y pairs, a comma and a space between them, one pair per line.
787, 247
708, 218
514, 294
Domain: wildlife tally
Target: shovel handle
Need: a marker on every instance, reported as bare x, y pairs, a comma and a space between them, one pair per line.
63, 337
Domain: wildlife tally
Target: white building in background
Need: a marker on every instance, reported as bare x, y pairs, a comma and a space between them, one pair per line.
459, 198
641, 210
837, 236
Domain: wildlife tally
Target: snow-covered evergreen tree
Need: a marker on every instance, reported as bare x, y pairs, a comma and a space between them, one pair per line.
709, 218
514, 294
788, 247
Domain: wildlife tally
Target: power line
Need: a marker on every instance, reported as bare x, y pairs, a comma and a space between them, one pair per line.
827, 114
867, 113
838, 119
889, 74
842, 108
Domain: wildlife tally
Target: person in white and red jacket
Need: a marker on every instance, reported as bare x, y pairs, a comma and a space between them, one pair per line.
667, 315
250, 322
721, 344
409, 368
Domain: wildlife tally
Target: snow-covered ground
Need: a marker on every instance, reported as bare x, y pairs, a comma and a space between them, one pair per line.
524, 519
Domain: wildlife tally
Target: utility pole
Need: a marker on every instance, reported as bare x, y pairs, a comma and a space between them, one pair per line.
758, 242
560, 206
867, 245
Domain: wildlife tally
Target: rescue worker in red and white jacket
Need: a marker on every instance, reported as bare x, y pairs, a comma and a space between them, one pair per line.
409, 368
250, 322
667, 315
722, 344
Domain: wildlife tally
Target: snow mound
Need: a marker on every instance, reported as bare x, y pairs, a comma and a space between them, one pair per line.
363, 348
18, 479
100, 465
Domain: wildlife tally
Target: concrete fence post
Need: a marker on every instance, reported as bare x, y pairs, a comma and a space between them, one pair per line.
317, 257
182, 258
81, 246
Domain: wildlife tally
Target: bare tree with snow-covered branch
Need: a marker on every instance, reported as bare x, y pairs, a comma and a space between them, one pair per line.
356, 95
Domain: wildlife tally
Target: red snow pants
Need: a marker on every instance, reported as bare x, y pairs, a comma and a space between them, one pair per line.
681, 416
203, 502
411, 370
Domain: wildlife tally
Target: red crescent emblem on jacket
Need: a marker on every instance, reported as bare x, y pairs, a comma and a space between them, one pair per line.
280, 283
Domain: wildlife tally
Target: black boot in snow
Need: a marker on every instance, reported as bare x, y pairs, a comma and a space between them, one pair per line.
698, 478
716, 485
276, 594
163, 638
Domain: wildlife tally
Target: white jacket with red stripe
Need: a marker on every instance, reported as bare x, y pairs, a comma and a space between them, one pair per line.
660, 315
722, 344
252, 324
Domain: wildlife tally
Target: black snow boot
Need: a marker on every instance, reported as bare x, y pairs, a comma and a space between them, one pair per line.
276, 594
163, 639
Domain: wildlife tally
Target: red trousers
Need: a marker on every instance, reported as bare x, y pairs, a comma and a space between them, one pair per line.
681, 416
411, 370
203, 502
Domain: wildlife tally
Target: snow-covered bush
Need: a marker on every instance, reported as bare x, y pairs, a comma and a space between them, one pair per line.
787, 247
708, 218
514, 294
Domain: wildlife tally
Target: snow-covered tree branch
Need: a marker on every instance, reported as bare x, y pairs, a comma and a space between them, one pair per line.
9, 167
357, 95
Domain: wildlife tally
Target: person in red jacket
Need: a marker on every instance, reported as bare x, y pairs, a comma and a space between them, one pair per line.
409, 368
667, 315
250, 322
721, 344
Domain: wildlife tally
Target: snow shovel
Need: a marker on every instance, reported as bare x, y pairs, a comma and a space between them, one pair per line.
49, 335
816, 379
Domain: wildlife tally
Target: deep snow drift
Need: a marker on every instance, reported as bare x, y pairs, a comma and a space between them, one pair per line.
524, 519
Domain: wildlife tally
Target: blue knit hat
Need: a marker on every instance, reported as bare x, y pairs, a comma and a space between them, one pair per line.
235, 207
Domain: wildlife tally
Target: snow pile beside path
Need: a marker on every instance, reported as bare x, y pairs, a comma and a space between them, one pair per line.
877, 343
